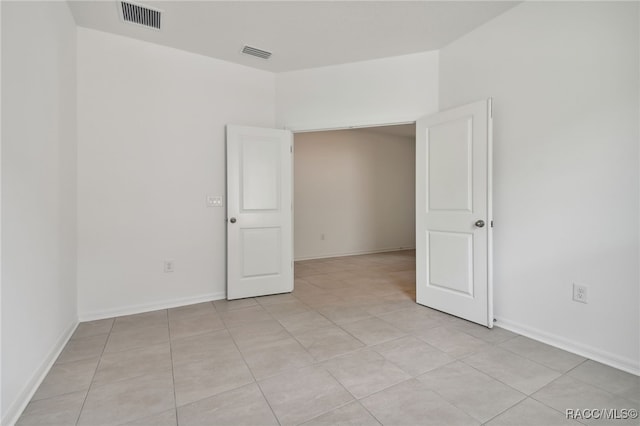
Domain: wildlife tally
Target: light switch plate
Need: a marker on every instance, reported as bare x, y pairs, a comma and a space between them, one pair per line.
214, 201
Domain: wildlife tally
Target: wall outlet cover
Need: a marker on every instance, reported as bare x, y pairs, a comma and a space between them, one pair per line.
579, 293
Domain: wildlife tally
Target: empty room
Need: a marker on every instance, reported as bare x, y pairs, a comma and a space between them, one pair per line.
320, 213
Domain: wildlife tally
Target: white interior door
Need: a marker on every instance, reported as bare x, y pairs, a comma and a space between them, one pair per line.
259, 212
453, 212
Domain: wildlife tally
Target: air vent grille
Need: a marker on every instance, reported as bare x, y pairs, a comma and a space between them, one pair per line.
140, 15
253, 51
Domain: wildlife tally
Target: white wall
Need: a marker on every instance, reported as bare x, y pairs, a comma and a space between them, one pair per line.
1, 400
38, 193
355, 187
151, 140
381, 91
564, 78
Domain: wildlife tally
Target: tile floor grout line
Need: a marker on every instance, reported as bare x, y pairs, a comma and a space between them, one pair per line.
327, 412
343, 329
573, 368
254, 377
555, 409
571, 377
341, 385
494, 346
133, 349
349, 352
384, 389
215, 309
353, 401
470, 415
290, 334
505, 410
173, 373
76, 340
462, 360
113, 322
597, 386
499, 346
370, 413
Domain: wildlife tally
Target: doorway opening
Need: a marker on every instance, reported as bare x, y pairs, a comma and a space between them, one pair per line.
453, 237
354, 212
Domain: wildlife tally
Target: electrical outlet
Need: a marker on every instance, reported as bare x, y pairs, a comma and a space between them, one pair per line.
168, 266
579, 293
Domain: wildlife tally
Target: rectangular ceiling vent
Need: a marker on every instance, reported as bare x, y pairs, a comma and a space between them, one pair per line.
253, 51
140, 15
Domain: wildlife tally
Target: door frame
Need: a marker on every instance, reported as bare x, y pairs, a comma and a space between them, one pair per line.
328, 128
294, 130
308, 129
395, 122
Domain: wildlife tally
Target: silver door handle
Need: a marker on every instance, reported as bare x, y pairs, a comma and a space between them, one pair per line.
480, 223
232, 220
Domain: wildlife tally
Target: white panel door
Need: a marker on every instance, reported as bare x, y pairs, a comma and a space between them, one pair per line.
259, 216
453, 212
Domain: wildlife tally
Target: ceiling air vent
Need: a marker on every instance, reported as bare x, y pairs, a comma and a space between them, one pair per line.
140, 15
253, 51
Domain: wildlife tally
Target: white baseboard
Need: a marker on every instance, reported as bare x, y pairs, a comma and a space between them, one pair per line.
20, 403
599, 355
354, 253
148, 307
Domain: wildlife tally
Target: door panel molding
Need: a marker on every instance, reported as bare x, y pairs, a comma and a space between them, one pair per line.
259, 214
453, 194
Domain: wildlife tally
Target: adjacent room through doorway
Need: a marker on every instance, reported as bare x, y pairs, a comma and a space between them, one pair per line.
354, 191
354, 218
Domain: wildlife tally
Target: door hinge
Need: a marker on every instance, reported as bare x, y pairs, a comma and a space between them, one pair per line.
492, 224
291, 149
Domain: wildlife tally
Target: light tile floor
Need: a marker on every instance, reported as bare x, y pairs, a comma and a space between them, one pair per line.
348, 346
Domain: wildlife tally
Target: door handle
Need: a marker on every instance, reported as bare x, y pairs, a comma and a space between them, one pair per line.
232, 220
479, 223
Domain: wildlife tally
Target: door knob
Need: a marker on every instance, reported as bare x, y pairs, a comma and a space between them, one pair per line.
232, 220
480, 223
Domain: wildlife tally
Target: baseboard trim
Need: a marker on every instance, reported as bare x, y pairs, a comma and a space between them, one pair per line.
17, 407
148, 307
604, 357
354, 253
